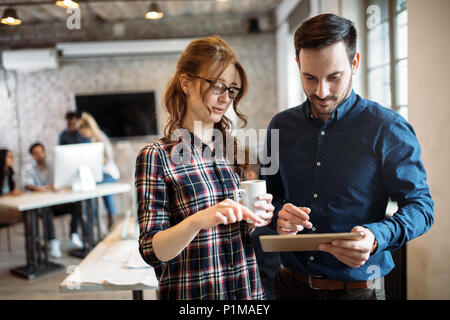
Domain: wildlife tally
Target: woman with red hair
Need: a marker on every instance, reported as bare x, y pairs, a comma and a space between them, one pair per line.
191, 231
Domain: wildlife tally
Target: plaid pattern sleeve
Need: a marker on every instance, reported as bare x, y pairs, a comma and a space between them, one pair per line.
220, 262
153, 205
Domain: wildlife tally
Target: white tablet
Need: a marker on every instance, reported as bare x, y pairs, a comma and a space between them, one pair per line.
303, 242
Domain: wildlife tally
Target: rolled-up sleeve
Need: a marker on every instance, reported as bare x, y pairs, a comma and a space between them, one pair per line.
404, 178
152, 201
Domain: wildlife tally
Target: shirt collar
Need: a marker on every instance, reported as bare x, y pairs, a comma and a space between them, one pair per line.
198, 145
36, 166
341, 110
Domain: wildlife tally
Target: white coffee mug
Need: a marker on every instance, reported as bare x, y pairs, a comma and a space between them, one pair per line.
248, 195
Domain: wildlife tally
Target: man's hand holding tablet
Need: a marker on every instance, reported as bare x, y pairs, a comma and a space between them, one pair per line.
354, 253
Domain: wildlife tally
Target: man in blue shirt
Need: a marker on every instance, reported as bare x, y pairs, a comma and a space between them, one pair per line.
71, 135
341, 157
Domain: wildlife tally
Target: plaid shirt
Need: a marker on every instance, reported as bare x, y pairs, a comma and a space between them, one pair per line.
220, 262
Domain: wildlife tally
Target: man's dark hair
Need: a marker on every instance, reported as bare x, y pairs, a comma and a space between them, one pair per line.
324, 30
34, 145
71, 115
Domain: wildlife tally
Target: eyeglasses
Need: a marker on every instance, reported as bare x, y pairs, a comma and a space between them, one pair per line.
219, 88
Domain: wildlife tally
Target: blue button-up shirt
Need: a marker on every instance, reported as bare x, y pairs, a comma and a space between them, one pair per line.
71, 137
346, 170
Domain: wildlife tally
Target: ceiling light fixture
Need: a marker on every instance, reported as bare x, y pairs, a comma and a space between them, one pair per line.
154, 12
10, 17
67, 4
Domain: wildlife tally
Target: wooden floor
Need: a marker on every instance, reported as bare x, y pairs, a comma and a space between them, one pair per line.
47, 286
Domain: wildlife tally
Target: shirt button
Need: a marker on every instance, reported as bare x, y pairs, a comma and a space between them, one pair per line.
313, 229
322, 133
315, 195
311, 258
319, 164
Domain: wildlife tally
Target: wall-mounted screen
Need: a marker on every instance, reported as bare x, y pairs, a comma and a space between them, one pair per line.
121, 115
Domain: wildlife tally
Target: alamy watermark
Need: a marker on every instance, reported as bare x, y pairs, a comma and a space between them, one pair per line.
224, 147
374, 17
375, 276
73, 21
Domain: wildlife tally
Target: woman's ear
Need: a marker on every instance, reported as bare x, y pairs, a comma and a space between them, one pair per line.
185, 83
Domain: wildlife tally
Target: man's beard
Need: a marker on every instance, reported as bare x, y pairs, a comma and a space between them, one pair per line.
331, 108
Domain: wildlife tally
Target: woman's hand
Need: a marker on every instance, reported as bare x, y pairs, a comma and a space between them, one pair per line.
265, 204
170, 242
224, 212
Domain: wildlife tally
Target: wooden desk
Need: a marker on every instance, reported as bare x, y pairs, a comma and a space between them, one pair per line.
37, 262
105, 268
36, 200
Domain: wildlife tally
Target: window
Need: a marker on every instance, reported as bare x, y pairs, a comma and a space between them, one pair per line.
387, 54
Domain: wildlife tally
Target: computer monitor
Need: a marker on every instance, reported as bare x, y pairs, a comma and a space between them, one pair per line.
71, 160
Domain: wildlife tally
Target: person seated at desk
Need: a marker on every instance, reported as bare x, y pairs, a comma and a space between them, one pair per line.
71, 135
38, 176
7, 187
7, 183
89, 129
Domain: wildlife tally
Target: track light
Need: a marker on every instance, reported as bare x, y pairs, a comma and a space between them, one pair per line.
154, 12
67, 4
10, 17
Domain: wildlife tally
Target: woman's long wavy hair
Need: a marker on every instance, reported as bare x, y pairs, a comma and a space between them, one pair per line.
8, 174
88, 121
210, 55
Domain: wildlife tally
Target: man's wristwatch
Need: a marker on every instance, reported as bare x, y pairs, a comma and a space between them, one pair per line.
374, 247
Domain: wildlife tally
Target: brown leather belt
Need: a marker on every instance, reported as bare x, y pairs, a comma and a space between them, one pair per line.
326, 284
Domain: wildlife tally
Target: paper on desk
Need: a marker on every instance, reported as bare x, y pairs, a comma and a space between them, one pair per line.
121, 264
126, 251
95, 272
126, 276
135, 261
120, 251
113, 272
